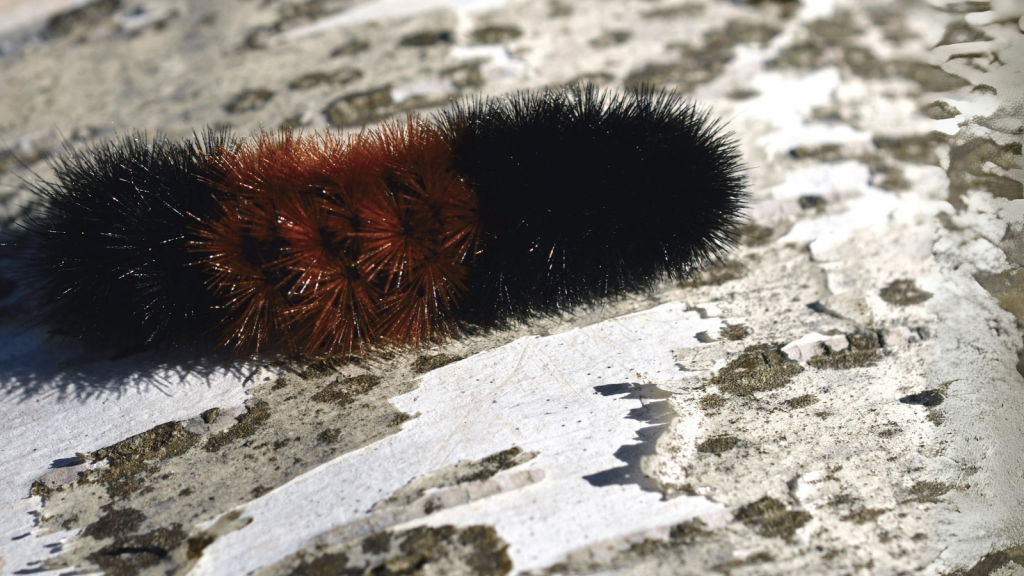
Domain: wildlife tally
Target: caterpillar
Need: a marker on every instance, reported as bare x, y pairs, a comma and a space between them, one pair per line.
493, 212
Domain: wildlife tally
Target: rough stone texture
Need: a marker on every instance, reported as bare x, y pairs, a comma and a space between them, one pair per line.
842, 395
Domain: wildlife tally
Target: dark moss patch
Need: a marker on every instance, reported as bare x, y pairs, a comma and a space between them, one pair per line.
919, 149
903, 292
807, 55
134, 459
966, 161
87, 16
328, 435
740, 32
939, 110
930, 78
929, 398
862, 62
700, 65
194, 546
345, 391
423, 550
558, 9
887, 430
688, 9
813, 202
994, 562
496, 34
927, 491
320, 369
720, 273
718, 444
249, 100
465, 76
884, 174
131, 554
836, 28
742, 94
338, 77
460, 473
158, 443
712, 401
824, 153
864, 350
426, 38
770, 518
247, 424
680, 536
359, 108
960, 32
735, 332
1008, 289
354, 46
210, 416
892, 20
757, 369
114, 523
802, 401
984, 89
399, 419
425, 364
755, 235
611, 38
863, 515
758, 558
495, 463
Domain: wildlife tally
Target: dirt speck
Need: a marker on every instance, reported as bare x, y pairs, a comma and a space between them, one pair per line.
426, 38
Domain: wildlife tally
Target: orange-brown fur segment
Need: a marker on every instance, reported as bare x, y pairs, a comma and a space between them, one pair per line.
326, 246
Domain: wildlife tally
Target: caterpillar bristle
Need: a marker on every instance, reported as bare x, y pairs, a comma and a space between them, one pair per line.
586, 195
108, 254
319, 245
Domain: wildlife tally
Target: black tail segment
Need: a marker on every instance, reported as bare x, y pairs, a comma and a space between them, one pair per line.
110, 253
585, 195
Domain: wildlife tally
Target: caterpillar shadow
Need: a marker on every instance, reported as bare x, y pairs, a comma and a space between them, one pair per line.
653, 410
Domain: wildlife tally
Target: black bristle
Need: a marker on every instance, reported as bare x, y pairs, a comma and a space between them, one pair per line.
110, 251
586, 195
